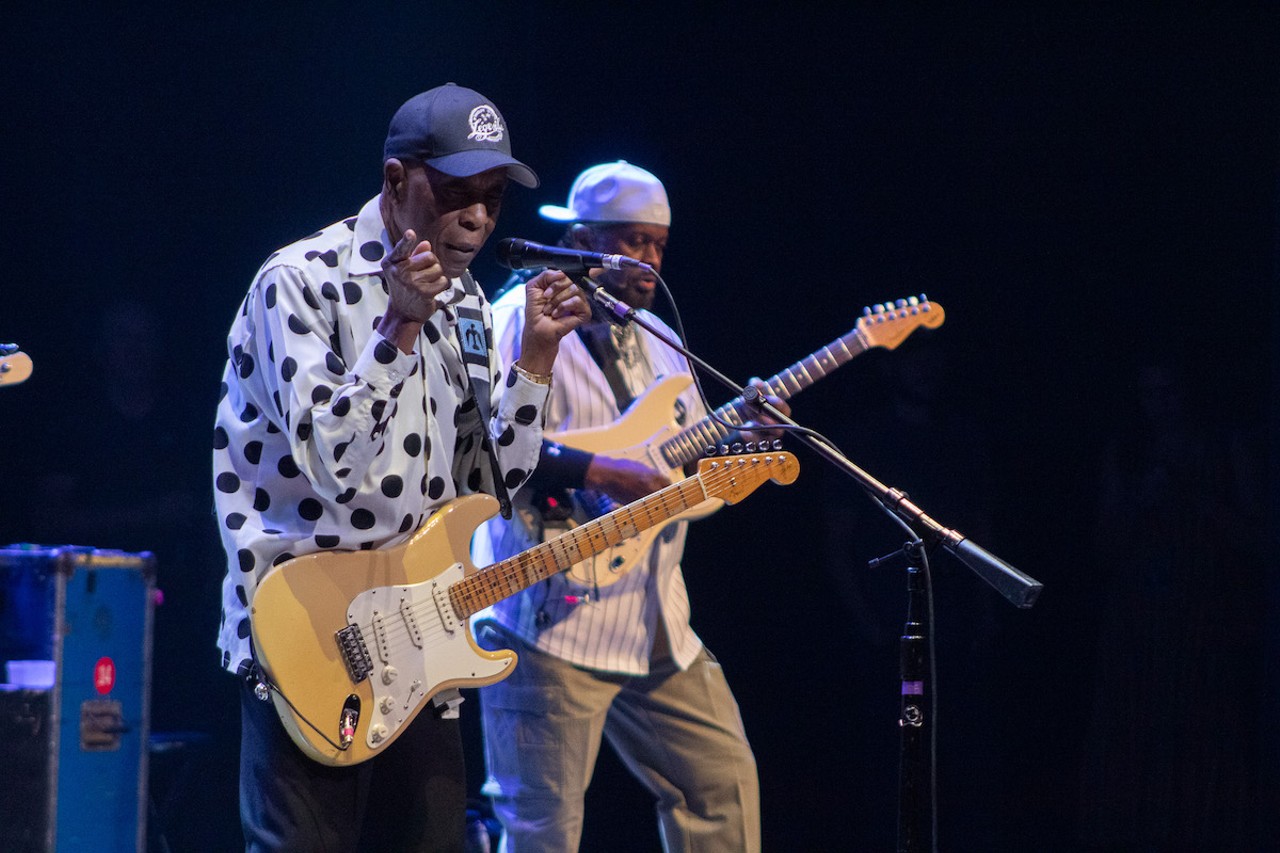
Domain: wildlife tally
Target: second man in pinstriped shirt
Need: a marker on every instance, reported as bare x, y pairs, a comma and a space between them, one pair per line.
618, 662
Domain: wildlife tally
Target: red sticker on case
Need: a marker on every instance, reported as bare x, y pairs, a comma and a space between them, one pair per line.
104, 675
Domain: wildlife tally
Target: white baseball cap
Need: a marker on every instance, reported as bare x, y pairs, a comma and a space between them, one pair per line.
613, 192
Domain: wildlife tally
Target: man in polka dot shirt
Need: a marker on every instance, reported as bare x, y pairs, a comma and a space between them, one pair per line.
347, 417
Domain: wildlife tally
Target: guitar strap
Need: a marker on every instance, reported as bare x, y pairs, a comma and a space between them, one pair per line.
475, 336
598, 339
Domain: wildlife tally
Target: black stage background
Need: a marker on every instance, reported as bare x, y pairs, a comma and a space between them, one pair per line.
1087, 193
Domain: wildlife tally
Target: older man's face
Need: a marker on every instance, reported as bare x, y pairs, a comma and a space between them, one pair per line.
455, 215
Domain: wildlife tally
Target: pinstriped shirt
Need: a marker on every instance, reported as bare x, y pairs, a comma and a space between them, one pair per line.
615, 630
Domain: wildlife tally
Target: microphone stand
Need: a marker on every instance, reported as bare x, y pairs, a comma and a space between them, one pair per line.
917, 823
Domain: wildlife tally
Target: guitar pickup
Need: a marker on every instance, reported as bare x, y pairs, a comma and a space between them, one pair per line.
355, 654
411, 622
449, 620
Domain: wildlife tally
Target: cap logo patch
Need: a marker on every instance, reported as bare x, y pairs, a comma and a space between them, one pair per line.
486, 126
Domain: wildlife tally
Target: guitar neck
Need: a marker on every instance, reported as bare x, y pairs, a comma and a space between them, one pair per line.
692, 441
506, 578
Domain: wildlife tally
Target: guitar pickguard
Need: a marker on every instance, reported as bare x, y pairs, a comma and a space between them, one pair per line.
414, 642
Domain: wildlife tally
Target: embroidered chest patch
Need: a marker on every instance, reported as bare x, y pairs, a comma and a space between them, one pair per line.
471, 333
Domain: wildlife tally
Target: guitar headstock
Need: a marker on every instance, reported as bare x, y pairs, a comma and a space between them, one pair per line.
887, 325
732, 478
14, 368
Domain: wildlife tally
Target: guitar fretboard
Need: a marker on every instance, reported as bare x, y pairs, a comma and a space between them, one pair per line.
691, 442
506, 578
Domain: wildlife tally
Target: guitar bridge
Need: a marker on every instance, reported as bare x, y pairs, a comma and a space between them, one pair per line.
355, 654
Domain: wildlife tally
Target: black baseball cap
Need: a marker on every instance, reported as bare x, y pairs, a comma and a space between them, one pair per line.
456, 130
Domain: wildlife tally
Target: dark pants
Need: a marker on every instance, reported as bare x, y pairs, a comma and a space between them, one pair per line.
411, 797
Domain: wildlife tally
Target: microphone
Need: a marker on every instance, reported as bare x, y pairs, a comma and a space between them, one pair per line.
517, 254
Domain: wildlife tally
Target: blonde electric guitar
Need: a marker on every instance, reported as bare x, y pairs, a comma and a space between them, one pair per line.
15, 366
646, 432
356, 643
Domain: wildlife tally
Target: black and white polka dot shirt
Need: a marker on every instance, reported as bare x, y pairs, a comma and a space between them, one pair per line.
327, 435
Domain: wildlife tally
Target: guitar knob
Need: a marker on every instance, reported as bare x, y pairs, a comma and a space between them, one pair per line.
389, 674
377, 732
387, 705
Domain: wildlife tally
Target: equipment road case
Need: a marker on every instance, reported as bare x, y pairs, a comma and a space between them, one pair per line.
76, 748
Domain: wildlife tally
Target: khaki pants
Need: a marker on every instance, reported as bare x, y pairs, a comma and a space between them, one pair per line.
679, 733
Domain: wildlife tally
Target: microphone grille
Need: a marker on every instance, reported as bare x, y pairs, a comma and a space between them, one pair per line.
508, 248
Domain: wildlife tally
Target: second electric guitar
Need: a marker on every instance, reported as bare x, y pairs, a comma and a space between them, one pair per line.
646, 432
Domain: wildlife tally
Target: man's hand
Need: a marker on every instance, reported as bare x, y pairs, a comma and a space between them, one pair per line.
414, 278
622, 479
553, 307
